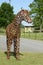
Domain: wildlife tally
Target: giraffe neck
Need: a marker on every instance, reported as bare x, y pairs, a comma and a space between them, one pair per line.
19, 18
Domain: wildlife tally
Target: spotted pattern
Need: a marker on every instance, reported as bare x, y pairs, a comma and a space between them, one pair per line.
13, 32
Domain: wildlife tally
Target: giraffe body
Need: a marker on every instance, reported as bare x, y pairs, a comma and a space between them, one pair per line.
13, 32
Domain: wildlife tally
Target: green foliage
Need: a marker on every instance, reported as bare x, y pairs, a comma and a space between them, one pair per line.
3, 22
37, 12
6, 14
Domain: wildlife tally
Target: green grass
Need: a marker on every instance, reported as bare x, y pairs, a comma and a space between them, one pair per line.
26, 59
2, 31
36, 36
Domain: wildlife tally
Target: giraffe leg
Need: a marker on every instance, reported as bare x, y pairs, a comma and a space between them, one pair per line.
17, 45
8, 48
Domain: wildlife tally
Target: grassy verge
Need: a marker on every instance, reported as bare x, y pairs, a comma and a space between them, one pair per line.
2, 31
36, 36
26, 59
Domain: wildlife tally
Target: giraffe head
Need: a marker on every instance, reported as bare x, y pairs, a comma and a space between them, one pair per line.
25, 16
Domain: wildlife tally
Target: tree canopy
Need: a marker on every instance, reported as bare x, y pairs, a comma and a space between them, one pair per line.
6, 14
37, 13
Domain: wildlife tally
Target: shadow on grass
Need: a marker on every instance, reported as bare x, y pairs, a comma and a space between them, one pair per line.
13, 54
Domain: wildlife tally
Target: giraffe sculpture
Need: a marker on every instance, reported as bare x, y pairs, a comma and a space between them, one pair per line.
13, 32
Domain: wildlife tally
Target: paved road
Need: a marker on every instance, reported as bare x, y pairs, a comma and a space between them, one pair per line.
26, 45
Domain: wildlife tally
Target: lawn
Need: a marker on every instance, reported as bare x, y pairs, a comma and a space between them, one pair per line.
32, 35
36, 36
2, 31
26, 59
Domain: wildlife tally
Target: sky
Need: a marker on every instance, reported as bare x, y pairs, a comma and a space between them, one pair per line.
18, 4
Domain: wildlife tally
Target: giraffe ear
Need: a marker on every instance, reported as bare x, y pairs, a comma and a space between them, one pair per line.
22, 11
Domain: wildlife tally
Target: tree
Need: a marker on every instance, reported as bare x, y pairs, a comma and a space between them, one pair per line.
6, 14
37, 13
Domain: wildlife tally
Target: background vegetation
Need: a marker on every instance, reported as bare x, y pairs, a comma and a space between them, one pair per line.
37, 13
32, 35
6, 14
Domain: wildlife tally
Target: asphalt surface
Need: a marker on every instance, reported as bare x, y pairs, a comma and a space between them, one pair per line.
26, 45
